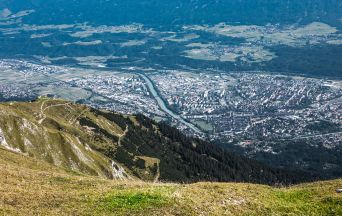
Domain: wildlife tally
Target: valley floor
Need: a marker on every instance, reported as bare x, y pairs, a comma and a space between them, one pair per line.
31, 187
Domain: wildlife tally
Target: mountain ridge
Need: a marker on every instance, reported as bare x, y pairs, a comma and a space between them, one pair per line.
32, 187
110, 145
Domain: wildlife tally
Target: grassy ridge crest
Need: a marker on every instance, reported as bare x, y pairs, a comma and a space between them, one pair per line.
32, 187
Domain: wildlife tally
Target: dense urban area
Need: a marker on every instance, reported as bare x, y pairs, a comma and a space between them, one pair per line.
254, 113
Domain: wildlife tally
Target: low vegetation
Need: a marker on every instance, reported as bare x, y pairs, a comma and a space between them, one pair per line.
32, 187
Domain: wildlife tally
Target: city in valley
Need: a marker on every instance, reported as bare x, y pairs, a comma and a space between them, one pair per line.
255, 113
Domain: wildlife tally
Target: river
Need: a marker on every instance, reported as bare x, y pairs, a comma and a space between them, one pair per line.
162, 105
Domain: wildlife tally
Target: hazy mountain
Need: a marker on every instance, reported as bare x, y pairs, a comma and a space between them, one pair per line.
166, 13
165, 34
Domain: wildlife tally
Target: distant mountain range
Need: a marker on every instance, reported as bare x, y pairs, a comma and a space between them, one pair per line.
175, 12
297, 37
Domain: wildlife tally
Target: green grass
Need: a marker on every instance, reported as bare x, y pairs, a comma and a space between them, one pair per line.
203, 124
32, 187
134, 200
306, 201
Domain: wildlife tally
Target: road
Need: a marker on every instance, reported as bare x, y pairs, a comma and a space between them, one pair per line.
313, 136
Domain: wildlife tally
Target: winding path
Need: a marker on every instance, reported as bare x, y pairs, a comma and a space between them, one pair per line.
42, 110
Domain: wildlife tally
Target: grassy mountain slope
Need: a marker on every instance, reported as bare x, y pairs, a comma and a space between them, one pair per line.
110, 145
49, 130
32, 187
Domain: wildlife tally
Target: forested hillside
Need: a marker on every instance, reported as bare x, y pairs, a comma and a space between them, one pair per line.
111, 145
